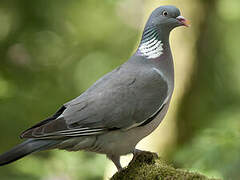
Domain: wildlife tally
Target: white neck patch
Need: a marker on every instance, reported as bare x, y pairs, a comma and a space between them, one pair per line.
151, 49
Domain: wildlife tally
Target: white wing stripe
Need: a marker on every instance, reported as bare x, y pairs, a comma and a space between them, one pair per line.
73, 132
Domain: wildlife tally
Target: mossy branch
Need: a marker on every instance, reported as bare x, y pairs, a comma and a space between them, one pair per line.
148, 166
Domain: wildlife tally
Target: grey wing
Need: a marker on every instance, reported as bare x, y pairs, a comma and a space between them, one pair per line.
120, 100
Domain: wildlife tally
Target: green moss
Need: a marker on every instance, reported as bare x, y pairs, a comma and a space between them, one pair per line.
147, 165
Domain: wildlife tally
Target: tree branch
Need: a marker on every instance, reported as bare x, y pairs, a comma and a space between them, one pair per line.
148, 166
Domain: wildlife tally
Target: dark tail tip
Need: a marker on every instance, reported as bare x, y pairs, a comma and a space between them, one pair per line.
24, 149
15, 153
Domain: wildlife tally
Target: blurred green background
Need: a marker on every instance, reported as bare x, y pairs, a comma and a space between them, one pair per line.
51, 51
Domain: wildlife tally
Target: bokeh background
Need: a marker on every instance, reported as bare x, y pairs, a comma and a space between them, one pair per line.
51, 51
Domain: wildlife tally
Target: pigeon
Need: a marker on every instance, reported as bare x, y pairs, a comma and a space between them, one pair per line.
119, 109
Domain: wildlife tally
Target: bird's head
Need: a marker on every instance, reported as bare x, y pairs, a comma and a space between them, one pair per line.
167, 18
156, 33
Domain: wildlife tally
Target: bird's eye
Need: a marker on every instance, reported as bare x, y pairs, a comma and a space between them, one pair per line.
165, 13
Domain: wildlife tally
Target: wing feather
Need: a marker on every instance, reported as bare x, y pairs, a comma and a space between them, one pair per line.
124, 98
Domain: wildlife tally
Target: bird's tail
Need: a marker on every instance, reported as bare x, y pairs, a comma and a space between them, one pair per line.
27, 147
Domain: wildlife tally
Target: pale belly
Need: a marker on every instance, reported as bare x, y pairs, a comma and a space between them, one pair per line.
114, 142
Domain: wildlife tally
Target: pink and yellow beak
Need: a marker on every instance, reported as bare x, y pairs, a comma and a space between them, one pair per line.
183, 21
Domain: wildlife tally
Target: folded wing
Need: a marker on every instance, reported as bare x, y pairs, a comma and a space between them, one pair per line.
122, 99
